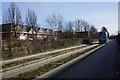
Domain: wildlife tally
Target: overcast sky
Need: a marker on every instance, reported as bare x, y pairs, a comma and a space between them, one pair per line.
96, 13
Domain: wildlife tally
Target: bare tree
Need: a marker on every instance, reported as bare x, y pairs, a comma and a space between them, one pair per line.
4, 18
78, 26
51, 20
69, 27
85, 25
60, 22
13, 17
104, 29
93, 32
31, 21
56, 23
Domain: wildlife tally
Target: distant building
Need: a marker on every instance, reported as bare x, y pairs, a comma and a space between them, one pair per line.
6, 28
83, 35
25, 32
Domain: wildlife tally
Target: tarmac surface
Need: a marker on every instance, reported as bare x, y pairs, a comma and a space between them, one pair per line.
102, 64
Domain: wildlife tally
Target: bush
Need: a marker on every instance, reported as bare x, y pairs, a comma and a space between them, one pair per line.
45, 39
18, 48
21, 48
80, 40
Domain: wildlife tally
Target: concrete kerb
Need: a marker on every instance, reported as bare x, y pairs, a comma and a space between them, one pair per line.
59, 69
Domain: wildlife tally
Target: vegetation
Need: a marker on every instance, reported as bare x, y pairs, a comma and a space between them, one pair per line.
40, 58
104, 29
43, 69
31, 21
18, 48
14, 18
13, 48
24, 48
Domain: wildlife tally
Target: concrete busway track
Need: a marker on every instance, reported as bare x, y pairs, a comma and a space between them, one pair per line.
59, 69
23, 69
37, 55
34, 60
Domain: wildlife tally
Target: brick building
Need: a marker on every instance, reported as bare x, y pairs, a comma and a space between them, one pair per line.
25, 32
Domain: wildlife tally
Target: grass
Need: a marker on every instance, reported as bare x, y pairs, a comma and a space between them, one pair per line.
25, 48
43, 69
25, 62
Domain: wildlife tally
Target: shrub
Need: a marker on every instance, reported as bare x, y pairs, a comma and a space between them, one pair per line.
21, 48
80, 40
45, 39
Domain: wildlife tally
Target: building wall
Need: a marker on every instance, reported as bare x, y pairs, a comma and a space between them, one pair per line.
22, 36
25, 34
5, 36
84, 35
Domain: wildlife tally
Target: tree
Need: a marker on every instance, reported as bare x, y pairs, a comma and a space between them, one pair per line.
13, 17
4, 18
104, 29
51, 20
68, 31
56, 23
85, 25
31, 21
93, 32
78, 26
60, 21
69, 27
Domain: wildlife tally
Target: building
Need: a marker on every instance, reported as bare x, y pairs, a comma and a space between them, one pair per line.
5, 31
83, 35
26, 33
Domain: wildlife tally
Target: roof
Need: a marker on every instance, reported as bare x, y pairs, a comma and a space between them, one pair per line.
25, 29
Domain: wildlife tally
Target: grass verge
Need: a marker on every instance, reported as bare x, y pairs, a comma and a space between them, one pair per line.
32, 60
43, 69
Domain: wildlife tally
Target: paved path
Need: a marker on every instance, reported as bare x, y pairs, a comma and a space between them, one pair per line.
104, 63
